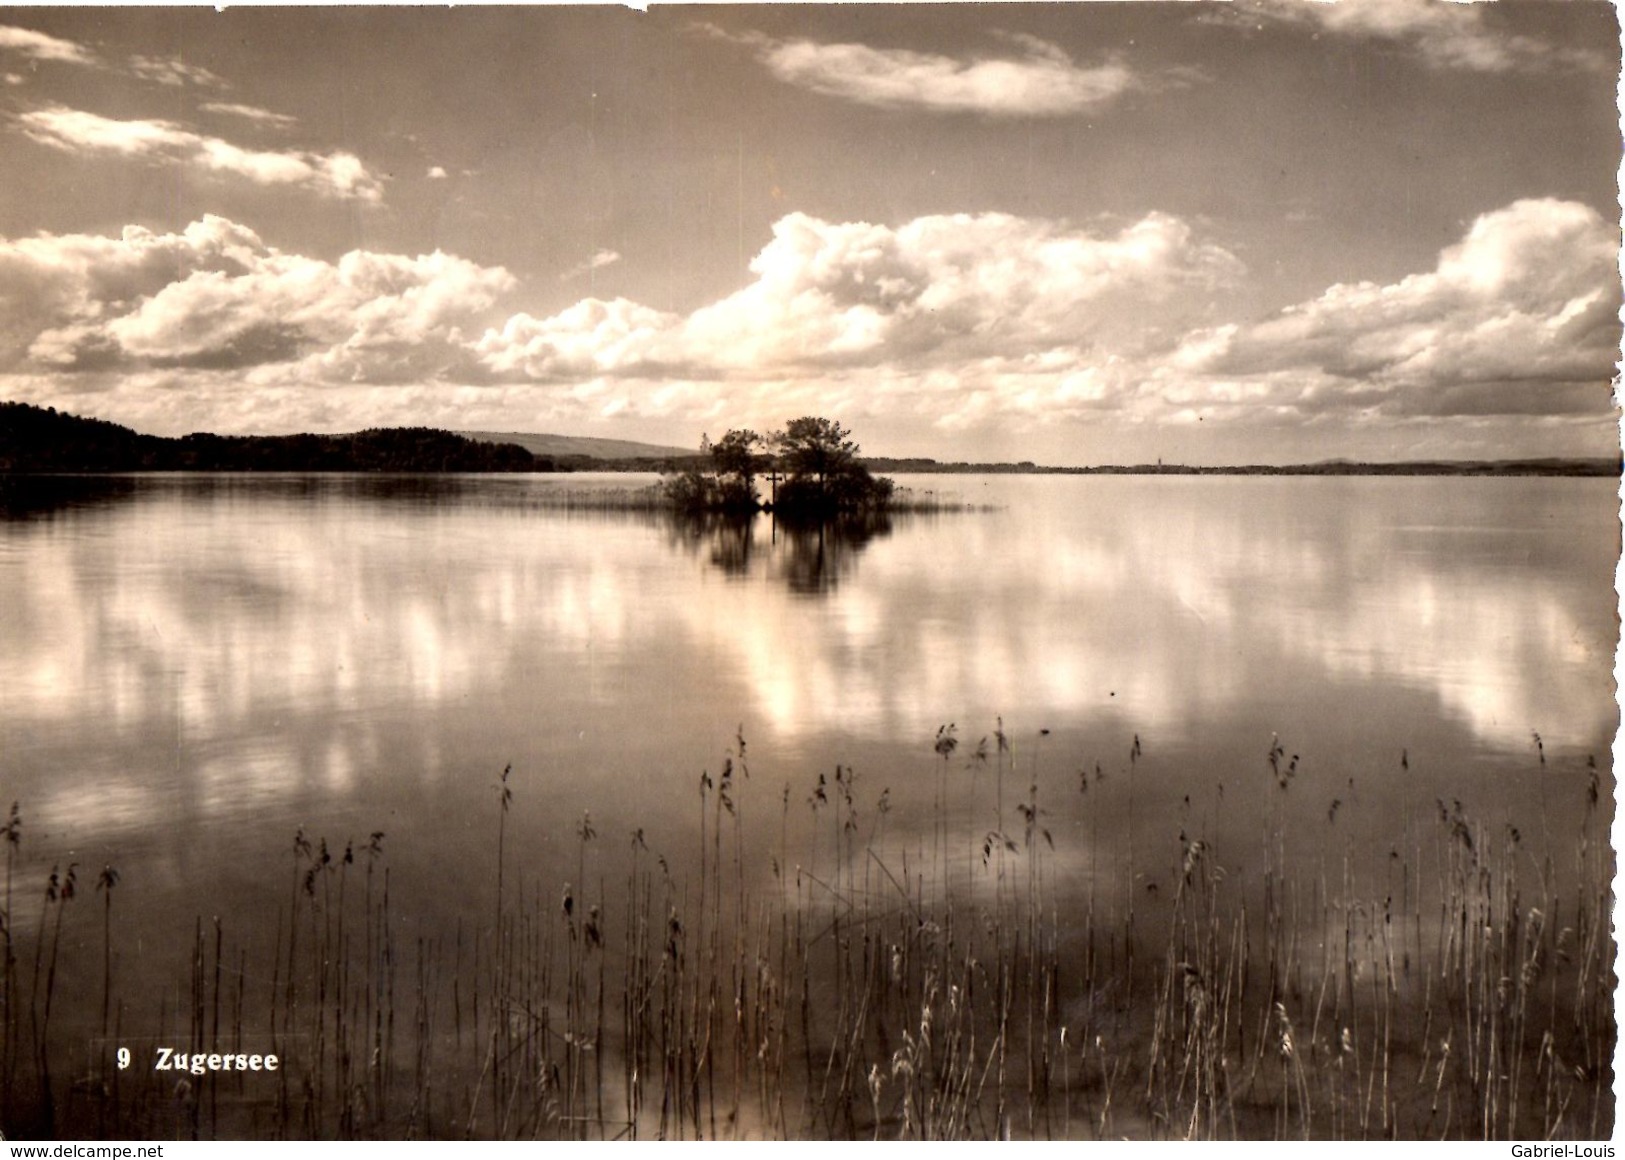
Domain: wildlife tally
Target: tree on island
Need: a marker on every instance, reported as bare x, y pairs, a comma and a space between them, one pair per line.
817, 457
825, 477
734, 458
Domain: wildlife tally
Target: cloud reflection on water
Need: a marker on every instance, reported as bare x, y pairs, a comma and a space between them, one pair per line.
284, 643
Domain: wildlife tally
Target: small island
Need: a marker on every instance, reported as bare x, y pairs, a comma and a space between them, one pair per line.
812, 468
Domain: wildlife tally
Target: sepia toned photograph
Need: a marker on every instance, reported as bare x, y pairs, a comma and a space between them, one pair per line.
785, 572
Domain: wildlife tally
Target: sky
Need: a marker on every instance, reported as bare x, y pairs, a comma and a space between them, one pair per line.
1209, 233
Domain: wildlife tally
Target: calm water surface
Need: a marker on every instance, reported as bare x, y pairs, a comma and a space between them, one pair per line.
192, 667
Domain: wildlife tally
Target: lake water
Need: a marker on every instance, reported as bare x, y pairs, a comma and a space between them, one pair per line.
194, 667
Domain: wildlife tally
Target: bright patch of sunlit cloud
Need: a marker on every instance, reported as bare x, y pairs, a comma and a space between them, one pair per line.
340, 175
250, 113
1519, 317
1038, 80
216, 297
843, 294
39, 46
1443, 34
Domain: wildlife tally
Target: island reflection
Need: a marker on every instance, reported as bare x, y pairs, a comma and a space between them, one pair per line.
809, 557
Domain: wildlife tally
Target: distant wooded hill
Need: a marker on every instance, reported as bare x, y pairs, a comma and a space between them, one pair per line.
561, 447
35, 439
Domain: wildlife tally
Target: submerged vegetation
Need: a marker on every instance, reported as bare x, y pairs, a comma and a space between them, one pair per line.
818, 963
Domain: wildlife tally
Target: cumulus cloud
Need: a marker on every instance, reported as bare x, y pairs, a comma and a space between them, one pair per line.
590, 338
952, 286
976, 322
215, 296
935, 290
39, 46
250, 113
966, 324
1444, 34
340, 174
1038, 80
1519, 317
436, 173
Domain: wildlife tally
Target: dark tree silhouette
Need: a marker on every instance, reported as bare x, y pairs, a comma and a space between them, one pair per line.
823, 477
826, 478
735, 458
35, 439
815, 448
